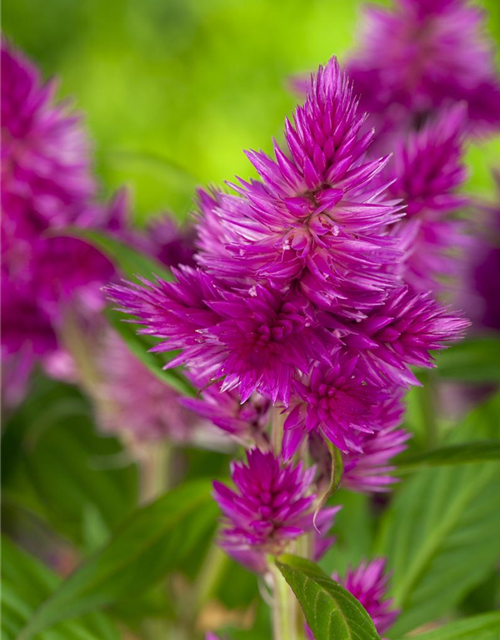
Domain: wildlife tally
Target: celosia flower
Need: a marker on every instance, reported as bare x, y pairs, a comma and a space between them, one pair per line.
256, 339
247, 422
318, 216
132, 401
368, 584
426, 172
45, 153
402, 333
370, 471
422, 54
335, 400
270, 506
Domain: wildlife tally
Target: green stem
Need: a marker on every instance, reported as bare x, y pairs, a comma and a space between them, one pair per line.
428, 404
285, 610
156, 470
277, 431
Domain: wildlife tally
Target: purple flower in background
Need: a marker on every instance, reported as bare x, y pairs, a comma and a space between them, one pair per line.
247, 422
370, 471
427, 171
420, 55
368, 583
270, 506
45, 153
130, 400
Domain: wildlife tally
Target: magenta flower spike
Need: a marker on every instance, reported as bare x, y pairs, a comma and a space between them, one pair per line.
368, 583
420, 55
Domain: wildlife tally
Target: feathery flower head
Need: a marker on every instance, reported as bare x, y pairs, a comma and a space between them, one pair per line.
317, 216
269, 507
45, 153
247, 422
368, 583
401, 333
334, 400
427, 171
422, 54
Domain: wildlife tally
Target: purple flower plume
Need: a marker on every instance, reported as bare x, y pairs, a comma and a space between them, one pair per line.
420, 55
368, 583
298, 295
427, 171
318, 216
270, 506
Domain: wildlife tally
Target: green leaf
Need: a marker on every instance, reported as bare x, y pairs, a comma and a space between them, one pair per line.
154, 541
472, 360
441, 532
26, 583
466, 453
331, 612
57, 433
483, 627
130, 262
140, 346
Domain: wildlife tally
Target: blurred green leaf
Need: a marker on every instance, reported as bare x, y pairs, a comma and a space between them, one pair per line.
441, 532
26, 583
154, 541
472, 360
140, 345
484, 627
330, 610
65, 463
130, 262
466, 453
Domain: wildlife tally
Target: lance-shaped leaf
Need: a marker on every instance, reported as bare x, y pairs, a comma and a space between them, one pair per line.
466, 453
331, 611
154, 541
483, 627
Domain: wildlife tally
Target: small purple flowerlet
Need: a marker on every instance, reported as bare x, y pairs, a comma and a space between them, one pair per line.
368, 583
270, 506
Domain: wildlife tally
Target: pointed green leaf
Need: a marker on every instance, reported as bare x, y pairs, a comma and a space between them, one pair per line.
441, 532
26, 583
466, 453
154, 541
331, 612
483, 627
472, 360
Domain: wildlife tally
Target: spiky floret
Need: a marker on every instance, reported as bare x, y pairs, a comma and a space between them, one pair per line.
270, 506
317, 217
368, 583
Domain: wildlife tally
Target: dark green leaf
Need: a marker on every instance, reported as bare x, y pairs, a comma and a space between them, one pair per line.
26, 583
331, 612
484, 627
442, 530
472, 360
140, 346
154, 541
468, 452
58, 434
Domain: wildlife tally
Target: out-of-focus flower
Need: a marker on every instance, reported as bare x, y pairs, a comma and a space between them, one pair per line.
368, 583
247, 422
270, 507
420, 55
427, 171
130, 400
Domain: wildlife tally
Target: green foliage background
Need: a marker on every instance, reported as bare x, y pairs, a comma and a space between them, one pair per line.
174, 90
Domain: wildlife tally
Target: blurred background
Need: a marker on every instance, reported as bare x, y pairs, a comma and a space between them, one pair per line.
174, 90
